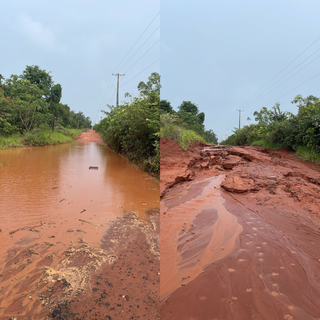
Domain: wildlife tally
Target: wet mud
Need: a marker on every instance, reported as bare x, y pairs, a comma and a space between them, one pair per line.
77, 243
256, 254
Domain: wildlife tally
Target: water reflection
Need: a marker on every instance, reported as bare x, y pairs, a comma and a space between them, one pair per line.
56, 183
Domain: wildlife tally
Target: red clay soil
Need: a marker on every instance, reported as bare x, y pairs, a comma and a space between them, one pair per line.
240, 234
127, 286
119, 280
116, 279
90, 136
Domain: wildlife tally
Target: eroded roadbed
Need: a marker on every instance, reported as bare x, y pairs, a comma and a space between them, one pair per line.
255, 255
115, 281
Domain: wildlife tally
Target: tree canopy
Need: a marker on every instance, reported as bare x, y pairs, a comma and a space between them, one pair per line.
33, 99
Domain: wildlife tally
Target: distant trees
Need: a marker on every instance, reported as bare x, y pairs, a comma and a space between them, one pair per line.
187, 117
33, 99
165, 106
275, 128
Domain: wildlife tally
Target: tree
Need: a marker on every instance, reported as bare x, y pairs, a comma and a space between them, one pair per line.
266, 117
210, 137
201, 117
41, 78
28, 102
165, 106
56, 93
188, 106
151, 89
7, 115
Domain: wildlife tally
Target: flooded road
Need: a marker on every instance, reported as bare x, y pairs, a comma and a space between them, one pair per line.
53, 207
240, 235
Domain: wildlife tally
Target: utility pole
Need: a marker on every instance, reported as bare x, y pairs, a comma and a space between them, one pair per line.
118, 76
240, 118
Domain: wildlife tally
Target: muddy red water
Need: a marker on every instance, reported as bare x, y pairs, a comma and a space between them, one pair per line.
240, 234
60, 225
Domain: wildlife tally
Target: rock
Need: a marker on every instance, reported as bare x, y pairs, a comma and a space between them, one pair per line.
231, 161
239, 185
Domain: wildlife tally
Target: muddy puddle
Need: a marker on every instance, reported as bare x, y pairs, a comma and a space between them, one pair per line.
196, 230
55, 214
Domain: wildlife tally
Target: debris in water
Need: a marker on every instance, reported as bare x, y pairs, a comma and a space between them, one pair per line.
93, 168
76, 230
54, 188
62, 200
94, 224
27, 229
83, 210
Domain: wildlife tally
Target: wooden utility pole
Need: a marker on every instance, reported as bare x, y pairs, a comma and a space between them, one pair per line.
240, 118
118, 76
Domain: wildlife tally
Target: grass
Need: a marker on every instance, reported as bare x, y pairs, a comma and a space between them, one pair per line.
266, 144
303, 153
183, 136
306, 154
39, 137
188, 138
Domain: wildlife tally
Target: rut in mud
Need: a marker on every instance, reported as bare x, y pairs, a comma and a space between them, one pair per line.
77, 243
240, 234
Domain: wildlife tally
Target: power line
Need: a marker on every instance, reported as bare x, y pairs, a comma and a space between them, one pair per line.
140, 72
253, 102
110, 94
293, 89
137, 40
142, 56
141, 47
107, 90
281, 71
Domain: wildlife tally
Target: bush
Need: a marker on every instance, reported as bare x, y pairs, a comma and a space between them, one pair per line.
188, 138
172, 132
306, 154
133, 130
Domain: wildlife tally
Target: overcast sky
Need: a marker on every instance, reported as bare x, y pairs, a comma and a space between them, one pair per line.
218, 54
82, 43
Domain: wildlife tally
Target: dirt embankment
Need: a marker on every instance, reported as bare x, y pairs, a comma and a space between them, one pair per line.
240, 234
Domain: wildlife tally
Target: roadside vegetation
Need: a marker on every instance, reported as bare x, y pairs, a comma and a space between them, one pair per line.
132, 129
184, 126
31, 113
277, 129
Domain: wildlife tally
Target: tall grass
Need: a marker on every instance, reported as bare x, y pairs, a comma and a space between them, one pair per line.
306, 154
266, 144
37, 137
183, 136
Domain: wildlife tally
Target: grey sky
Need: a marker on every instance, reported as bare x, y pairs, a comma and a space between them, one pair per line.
217, 54
81, 43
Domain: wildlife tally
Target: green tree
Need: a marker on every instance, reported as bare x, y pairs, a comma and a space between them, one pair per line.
210, 137
41, 78
189, 107
165, 106
27, 101
151, 88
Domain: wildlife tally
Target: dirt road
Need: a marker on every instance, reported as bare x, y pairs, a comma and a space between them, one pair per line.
90, 136
94, 254
240, 234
